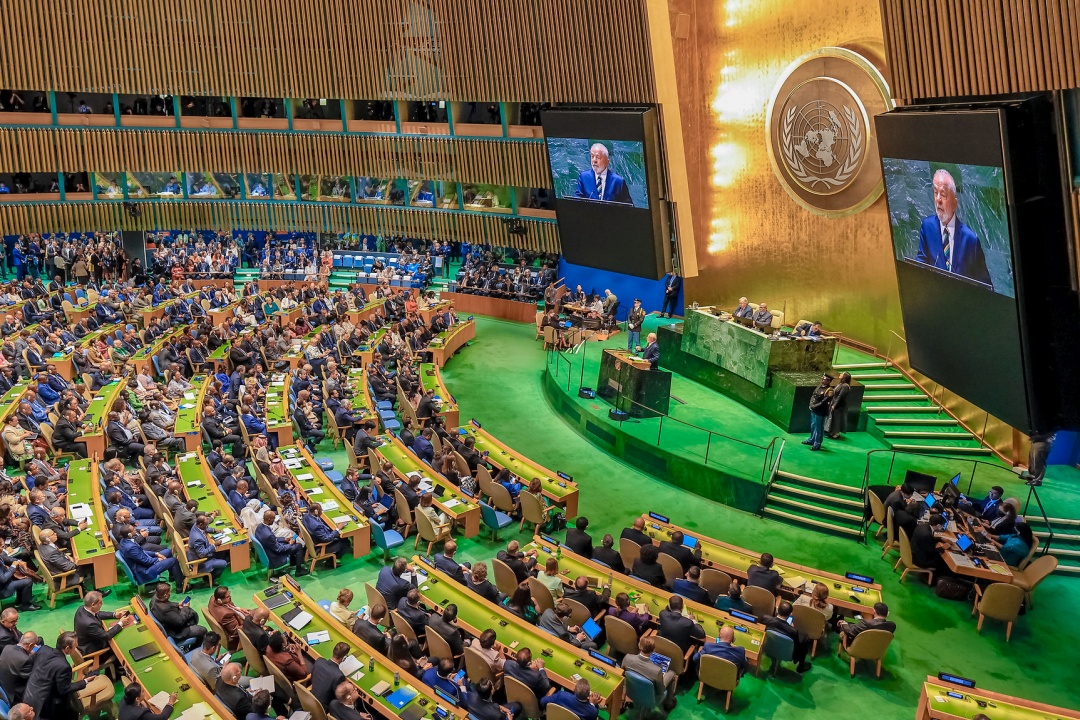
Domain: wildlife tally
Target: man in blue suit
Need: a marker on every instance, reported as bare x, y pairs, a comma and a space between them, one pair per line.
601, 182
944, 241
201, 546
725, 648
321, 533
651, 353
278, 551
144, 566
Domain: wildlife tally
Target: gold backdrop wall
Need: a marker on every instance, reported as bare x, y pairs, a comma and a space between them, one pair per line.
753, 239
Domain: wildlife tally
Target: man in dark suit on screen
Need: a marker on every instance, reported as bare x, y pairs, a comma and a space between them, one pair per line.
601, 182
944, 241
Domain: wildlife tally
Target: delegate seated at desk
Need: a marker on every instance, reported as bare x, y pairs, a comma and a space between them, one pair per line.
808, 330
763, 318
744, 310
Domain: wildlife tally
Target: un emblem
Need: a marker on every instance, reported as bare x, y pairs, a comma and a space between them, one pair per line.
819, 133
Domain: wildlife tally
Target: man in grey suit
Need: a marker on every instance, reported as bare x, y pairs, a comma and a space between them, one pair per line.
58, 561
641, 663
16, 661
555, 621
205, 663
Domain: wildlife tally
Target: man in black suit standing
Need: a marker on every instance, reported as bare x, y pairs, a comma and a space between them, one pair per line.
49, 686
672, 286
578, 540
674, 547
678, 628
326, 675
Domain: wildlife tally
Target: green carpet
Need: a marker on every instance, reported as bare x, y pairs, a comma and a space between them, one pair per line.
497, 380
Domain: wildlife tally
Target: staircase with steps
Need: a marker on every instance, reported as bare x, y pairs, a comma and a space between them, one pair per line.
820, 504
1065, 545
903, 417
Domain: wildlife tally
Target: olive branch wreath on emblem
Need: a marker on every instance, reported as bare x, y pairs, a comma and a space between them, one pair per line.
847, 168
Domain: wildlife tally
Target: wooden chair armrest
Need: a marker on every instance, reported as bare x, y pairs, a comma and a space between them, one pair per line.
65, 573
197, 562
81, 667
600, 615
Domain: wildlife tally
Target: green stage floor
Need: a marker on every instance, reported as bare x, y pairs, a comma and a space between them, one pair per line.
498, 380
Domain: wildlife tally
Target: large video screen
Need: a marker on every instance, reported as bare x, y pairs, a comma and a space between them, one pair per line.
951, 218
948, 202
599, 170
604, 172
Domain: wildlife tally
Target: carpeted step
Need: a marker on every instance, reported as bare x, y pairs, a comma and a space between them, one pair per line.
884, 395
940, 449
823, 485
860, 366
821, 524
852, 505
941, 434
886, 375
936, 422
816, 508
888, 386
928, 408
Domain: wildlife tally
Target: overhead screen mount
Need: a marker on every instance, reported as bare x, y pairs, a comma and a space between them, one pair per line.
978, 222
605, 170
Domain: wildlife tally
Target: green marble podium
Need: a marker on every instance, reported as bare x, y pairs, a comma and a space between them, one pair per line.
750, 354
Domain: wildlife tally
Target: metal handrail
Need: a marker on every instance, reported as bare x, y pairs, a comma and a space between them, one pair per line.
772, 477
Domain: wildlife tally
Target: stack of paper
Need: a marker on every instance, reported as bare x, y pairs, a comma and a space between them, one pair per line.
319, 636
263, 683
308, 476
160, 700
198, 711
81, 511
327, 505
451, 503
350, 665
341, 520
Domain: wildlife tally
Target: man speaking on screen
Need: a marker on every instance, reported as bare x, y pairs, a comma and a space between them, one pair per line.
601, 182
944, 241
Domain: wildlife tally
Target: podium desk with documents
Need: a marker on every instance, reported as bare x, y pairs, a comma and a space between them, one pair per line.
628, 383
93, 546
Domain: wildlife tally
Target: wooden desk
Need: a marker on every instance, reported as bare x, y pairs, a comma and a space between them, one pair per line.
277, 409
201, 485
469, 304
165, 671
463, 511
97, 418
475, 614
748, 635
375, 666
189, 413
431, 379
558, 490
436, 309
445, 344
963, 563
936, 704
317, 487
373, 307
735, 561
86, 547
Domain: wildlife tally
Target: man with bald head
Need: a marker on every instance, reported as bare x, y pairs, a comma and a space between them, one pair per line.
725, 648
637, 533
600, 182
944, 241
229, 691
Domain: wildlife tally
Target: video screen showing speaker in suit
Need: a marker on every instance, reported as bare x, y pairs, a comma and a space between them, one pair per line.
953, 219
599, 170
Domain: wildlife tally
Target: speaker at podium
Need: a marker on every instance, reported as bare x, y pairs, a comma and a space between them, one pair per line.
628, 383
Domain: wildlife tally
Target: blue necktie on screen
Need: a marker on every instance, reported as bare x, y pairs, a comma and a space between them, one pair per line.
599, 187
945, 249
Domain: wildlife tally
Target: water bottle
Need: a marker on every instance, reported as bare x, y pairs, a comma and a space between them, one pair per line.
371, 664
397, 679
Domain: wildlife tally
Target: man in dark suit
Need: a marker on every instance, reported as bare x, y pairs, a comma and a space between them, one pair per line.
49, 686
593, 601
229, 691
578, 540
637, 533
179, 620
9, 628
690, 587
446, 626
529, 672
478, 700
849, 630
674, 547
122, 438
678, 628
254, 627
641, 663
65, 432
64, 528
347, 704
280, 552
944, 241
391, 583
521, 563
726, 649
608, 555
423, 448
367, 629
762, 575
445, 561
409, 609
326, 675
89, 628
16, 662
321, 533
779, 623
601, 182
651, 352
672, 286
